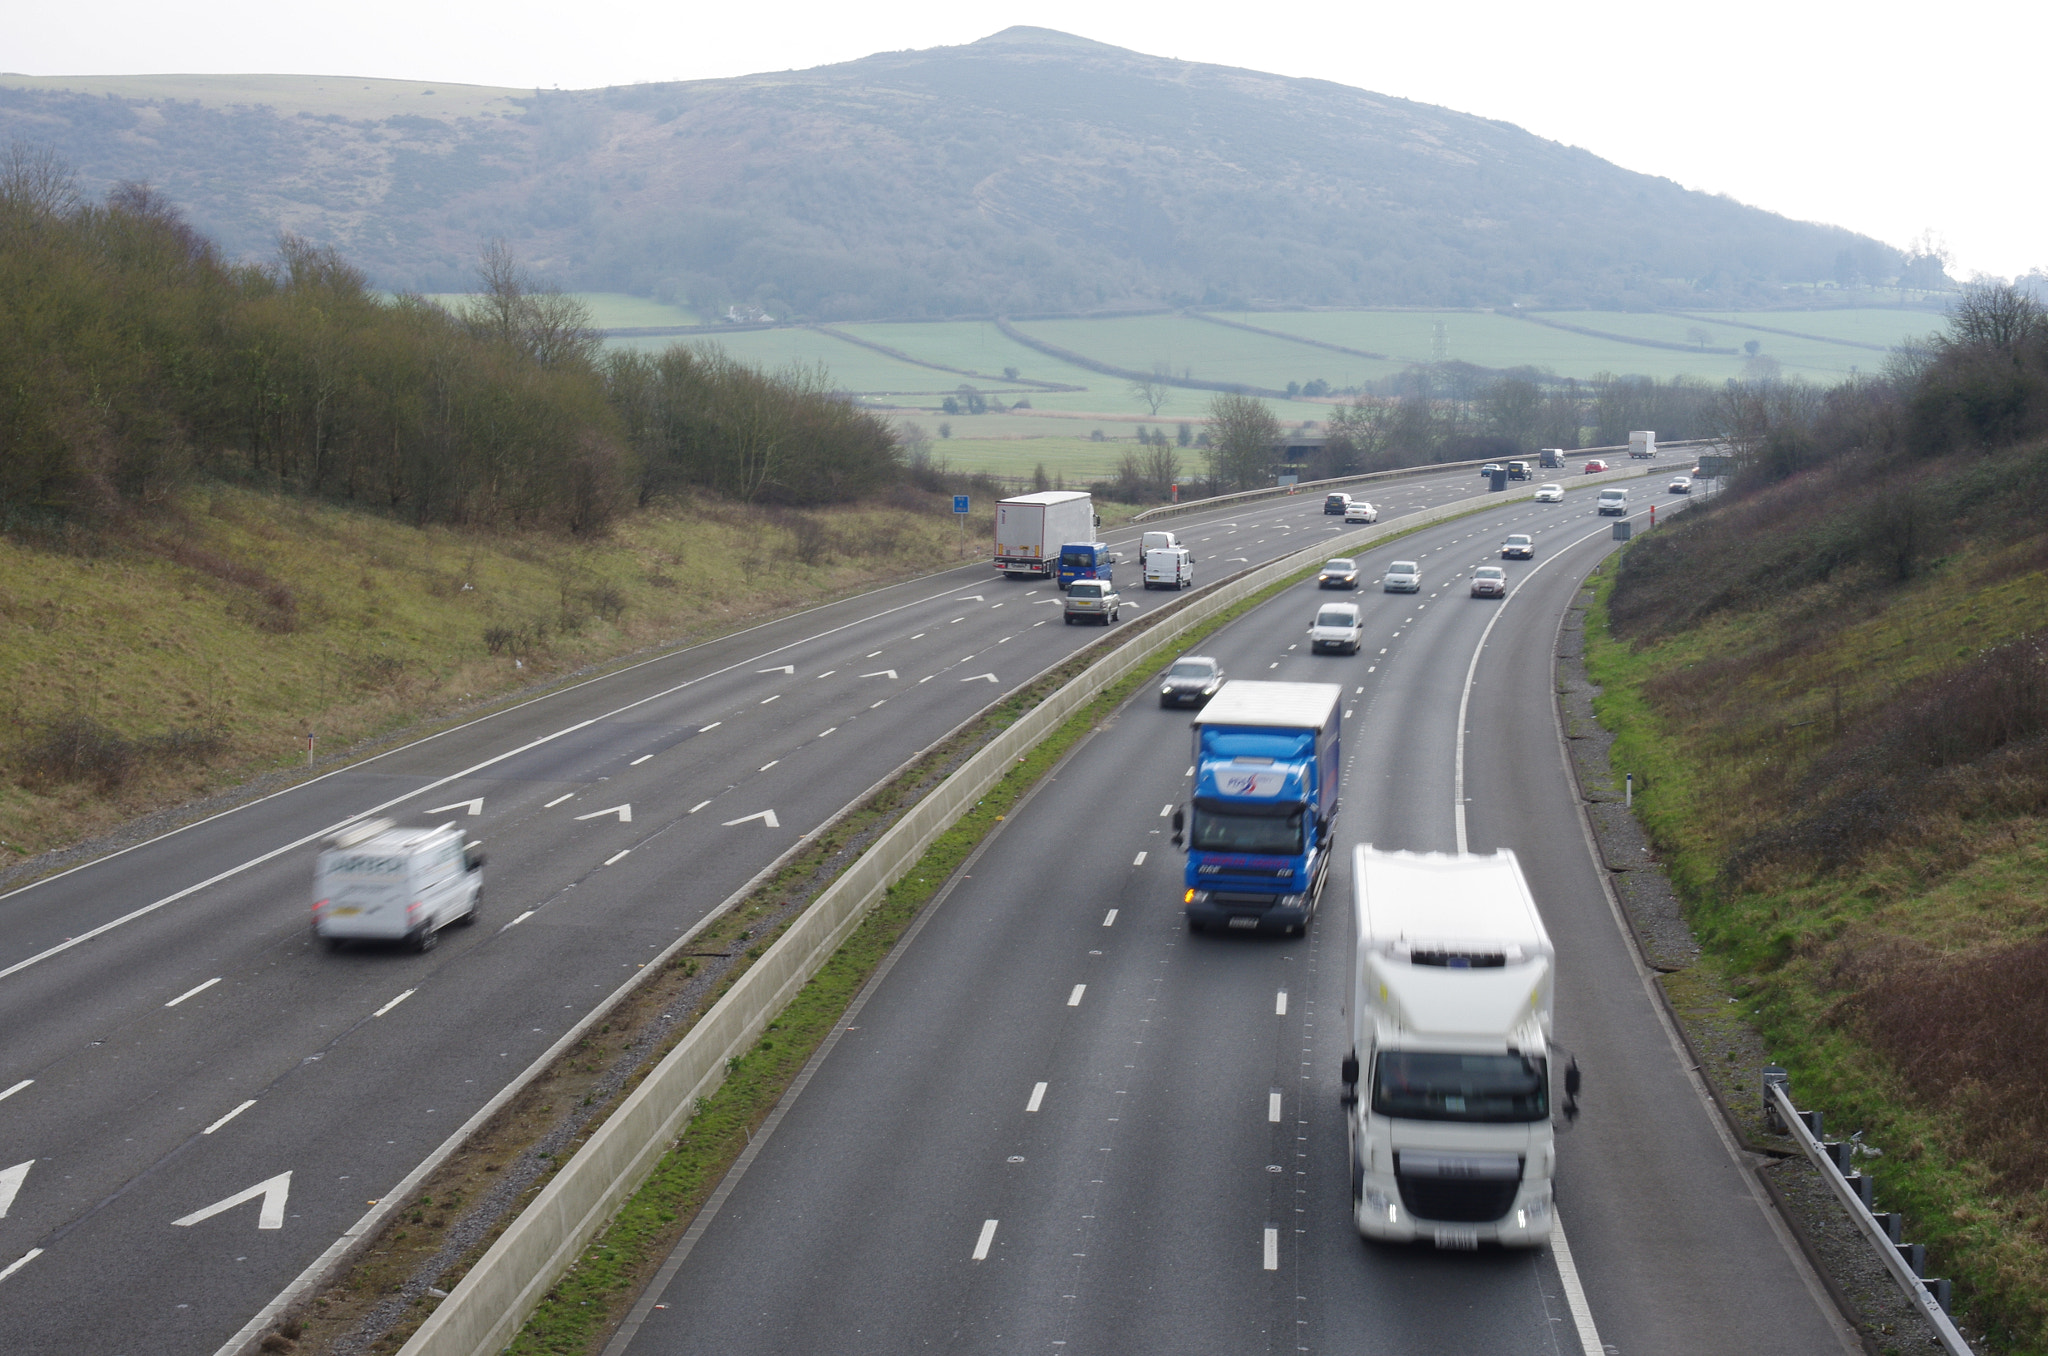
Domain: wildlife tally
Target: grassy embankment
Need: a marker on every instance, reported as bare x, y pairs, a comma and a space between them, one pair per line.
183, 654
1847, 774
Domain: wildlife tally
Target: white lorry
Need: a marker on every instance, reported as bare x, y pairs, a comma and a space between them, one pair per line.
376, 881
1168, 568
1447, 1087
1031, 528
1642, 443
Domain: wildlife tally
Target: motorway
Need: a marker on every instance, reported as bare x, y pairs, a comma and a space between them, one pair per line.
1060, 1123
196, 1101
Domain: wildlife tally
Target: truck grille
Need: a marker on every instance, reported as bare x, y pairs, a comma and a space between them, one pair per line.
1456, 1202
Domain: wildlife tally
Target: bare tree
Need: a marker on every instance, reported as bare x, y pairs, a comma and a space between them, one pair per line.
546, 324
1997, 317
1698, 335
1153, 390
1242, 436
35, 184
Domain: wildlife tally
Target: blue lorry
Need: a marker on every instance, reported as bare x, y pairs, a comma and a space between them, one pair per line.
1258, 833
1084, 560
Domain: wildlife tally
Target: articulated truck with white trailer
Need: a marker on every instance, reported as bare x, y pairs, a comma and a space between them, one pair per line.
1447, 1086
1031, 529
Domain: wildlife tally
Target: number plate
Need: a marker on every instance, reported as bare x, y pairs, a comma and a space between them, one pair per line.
1243, 921
1462, 1239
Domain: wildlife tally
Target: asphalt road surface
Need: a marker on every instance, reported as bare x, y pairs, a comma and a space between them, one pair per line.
1061, 1123
196, 1101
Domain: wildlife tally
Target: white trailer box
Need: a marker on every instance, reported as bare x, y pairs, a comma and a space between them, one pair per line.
1642, 443
1168, 569
378, 882
1448, 1083
1031, 528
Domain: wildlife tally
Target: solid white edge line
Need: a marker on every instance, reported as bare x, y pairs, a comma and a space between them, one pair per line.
988, 1236
192, 992
1037, 1097
1074, 998
20, 1262
698, 806
641, 759
1272, 1260
230, 1116
1472, 673
394, 1002
558, 800
16, 1088
1574, 1293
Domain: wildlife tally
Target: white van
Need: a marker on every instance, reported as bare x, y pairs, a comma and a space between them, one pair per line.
1168, 568
1158, 541
1614, 502
378, 882
1339, 628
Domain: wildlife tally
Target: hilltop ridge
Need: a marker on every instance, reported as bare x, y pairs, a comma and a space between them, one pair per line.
1028, 171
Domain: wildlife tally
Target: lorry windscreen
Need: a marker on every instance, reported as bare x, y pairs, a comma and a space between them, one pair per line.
1270, 829
1433, 1086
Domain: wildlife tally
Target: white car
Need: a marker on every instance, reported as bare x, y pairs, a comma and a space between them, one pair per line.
1680, 485
1361, 512
1549, 494
1338, 627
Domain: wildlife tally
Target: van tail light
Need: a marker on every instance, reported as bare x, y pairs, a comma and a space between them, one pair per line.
414, 907
318, 905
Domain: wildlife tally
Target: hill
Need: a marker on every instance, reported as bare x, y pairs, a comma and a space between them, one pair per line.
1028, 172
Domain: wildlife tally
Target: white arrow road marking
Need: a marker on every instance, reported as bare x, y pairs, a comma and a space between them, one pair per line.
885, 673
273, 1190
16, 1088
766, 816
789, 669
1047, 602
624, 812
971, 598
10, 1182
979, 676
475, 807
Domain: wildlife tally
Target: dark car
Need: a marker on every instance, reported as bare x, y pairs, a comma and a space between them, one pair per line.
1191, 681
1336, 503
1338, 574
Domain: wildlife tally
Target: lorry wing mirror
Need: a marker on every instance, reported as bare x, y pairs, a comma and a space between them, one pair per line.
1180, 822
1571, 1090
1350, 1079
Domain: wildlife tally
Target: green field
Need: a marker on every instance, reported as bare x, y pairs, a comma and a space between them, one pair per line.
1864, 324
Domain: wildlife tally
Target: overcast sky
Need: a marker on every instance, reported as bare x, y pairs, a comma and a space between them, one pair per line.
1888, 119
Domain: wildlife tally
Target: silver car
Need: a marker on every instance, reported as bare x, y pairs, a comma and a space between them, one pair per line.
1403, 576
1091, 600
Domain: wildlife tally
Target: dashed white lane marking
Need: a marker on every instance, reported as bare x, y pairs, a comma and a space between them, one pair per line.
770, 763
520, 919
1165, 811
873, 653
926, 679
823, 733
1273, 1107
1037, 1098
641, 759
394, 1002
1074, 998
828, 673
197, 989
918, 636
1272, 1249
707, 729
558, 800
230, 1116
778, 696
26, 1081
1139, 860
20, 1262
1280, 1003
1370, 668
698, 806
1108, 921
988, 1236
618, 857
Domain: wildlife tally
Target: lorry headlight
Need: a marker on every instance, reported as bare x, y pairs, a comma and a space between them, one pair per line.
1292, 901
1377, 1200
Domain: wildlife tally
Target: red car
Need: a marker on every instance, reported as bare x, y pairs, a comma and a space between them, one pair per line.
1593, 466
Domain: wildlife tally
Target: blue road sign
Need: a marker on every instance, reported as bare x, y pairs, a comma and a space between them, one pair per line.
959, 503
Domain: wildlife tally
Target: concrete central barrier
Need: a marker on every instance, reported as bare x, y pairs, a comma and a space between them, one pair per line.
486, 1310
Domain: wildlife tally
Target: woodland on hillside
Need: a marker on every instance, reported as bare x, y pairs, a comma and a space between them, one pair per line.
134, 357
